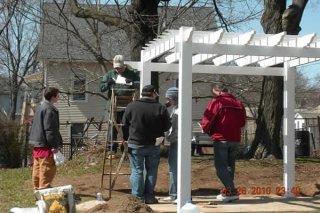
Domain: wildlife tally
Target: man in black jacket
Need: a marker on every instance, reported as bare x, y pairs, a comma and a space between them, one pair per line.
147, 120
46, 140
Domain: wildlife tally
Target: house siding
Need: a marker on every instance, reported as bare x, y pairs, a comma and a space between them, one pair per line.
60, 75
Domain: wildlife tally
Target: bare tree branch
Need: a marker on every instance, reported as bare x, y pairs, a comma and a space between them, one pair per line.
11, 10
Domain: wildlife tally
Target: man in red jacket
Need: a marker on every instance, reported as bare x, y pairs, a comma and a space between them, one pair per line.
222, 120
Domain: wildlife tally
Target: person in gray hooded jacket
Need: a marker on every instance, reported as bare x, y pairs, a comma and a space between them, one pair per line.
46, 140
172, 137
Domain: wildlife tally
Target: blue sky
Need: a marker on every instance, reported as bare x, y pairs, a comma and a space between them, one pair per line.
310, 23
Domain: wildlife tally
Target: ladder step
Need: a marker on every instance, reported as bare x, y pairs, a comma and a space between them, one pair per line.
116, 141
114, 124
120, 107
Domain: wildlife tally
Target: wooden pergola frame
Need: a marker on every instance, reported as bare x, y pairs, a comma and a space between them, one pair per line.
186, 50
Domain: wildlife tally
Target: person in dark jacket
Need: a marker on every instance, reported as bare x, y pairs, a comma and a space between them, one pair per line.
222, 120
123, 81
46, 140
147, 120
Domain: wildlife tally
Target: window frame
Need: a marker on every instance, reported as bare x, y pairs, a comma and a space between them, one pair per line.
73, 94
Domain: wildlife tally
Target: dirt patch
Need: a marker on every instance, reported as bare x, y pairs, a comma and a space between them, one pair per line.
253, 177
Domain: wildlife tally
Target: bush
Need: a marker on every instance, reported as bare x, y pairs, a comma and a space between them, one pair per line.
10, 146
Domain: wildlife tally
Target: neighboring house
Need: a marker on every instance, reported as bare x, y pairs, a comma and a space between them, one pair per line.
5, 99
308, 121
68, 64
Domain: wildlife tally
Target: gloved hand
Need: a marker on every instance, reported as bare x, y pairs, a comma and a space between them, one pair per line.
111, 81
128, 80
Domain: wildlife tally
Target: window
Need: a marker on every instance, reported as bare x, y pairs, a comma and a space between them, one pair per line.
79, 87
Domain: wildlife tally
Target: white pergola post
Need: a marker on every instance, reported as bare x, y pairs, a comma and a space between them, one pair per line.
185, 118
145, 74
288, 130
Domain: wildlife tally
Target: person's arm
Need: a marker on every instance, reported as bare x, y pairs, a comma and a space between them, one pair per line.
51, 128
166, 119
209, 116
173, 132
106, 82
244, 116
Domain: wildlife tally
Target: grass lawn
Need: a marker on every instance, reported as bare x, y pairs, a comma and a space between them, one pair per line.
16, 184
14, 191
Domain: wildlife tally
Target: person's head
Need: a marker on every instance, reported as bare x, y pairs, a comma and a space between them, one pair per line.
149, 91
118, 63
218, 88
172, 96
51, 94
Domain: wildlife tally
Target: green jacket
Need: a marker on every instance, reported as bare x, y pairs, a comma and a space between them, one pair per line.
131, 75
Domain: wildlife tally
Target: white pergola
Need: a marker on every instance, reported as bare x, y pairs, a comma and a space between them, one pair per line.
228, 53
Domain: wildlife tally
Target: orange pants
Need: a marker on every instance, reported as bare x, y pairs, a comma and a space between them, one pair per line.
43, 172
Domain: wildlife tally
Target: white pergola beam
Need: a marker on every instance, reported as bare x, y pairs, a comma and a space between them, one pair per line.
242, 40
306, 40
211, 69
270, 41
211, 38
134, 64
277, 51
172, 57
196, 59
160, 46
244, 61
301, 61
300, 42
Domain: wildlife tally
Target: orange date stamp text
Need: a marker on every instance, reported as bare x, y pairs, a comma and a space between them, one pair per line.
264, 190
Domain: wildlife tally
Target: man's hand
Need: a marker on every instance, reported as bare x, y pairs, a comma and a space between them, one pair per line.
111, 81
128, 80
54, 150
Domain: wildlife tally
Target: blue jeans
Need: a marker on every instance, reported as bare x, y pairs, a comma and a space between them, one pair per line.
172, 161
225, 154
147, 158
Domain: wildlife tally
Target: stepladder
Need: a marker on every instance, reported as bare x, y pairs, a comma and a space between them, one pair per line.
115, 160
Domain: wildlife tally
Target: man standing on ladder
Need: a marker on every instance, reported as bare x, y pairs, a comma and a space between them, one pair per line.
121, 80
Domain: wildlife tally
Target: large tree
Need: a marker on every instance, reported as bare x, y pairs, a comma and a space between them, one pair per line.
276, 18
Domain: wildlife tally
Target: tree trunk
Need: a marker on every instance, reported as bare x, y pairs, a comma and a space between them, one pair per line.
14, 90
267, 137
143, 30
275, 19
